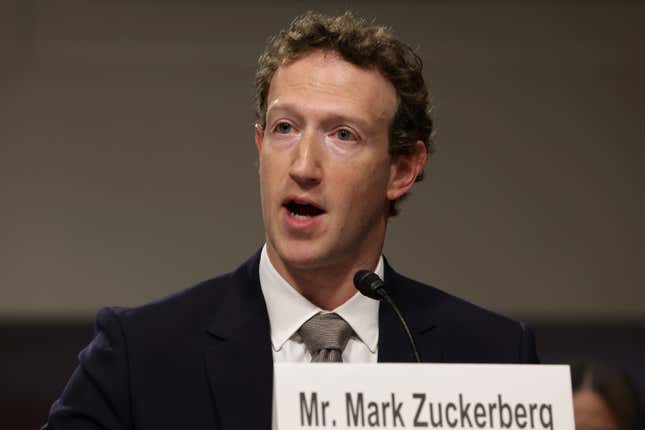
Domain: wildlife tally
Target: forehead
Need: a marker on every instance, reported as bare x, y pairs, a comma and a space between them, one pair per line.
323, 81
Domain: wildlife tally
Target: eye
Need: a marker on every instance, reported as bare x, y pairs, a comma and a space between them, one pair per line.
283, 128
345, 134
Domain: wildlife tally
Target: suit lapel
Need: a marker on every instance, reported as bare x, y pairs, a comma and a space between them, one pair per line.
416, 303
239, 360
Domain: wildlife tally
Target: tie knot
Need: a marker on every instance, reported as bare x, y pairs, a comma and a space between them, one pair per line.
326, 336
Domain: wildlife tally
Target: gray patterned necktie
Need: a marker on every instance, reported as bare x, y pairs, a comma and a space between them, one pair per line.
326, 336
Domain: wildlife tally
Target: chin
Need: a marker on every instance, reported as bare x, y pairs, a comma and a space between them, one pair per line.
301, 260
301, 255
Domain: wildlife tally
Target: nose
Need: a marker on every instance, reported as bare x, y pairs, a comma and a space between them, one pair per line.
306, 168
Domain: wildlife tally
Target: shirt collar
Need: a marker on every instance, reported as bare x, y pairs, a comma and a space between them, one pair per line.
288, 309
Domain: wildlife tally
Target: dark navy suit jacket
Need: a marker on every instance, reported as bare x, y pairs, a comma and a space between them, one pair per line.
202, 359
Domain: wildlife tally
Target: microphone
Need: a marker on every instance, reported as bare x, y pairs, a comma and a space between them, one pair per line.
372, 286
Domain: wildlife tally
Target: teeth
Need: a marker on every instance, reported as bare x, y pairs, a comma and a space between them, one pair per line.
295, 215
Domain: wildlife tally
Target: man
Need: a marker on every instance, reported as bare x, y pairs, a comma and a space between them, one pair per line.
343, 133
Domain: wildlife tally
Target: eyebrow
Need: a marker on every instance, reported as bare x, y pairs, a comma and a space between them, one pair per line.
330, 116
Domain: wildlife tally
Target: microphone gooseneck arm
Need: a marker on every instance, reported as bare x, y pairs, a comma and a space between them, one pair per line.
372, 286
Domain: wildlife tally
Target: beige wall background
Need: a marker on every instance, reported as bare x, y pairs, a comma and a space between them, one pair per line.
128, 170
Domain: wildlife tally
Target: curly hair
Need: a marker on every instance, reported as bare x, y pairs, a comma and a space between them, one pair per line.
364, 45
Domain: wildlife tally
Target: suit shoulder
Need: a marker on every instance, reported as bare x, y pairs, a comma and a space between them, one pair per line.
448, 307
473, 332
193, 301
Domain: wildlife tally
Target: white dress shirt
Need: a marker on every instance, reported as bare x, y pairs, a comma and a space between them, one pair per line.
288, 310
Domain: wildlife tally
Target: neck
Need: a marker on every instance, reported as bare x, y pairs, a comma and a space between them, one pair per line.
326, 286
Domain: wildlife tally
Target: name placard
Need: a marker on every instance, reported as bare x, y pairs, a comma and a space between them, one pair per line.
422, 396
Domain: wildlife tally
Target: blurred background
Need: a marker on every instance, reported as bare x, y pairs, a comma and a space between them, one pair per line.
128, 169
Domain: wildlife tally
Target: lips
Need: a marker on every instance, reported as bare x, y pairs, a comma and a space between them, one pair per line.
302, 208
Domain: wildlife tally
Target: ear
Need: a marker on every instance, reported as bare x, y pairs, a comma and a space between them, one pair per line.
404, 170
259, 136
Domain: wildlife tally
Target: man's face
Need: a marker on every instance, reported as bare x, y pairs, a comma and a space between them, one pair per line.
325, 173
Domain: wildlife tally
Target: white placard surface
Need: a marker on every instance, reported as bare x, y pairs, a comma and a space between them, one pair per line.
422, 396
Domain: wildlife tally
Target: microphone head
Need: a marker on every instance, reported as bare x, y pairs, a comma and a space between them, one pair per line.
369, 284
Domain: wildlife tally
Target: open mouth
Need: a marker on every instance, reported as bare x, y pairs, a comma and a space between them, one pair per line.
302, 210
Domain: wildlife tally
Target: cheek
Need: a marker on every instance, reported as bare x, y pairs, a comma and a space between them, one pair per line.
267, 187
362, 187
268, 168
375, 178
